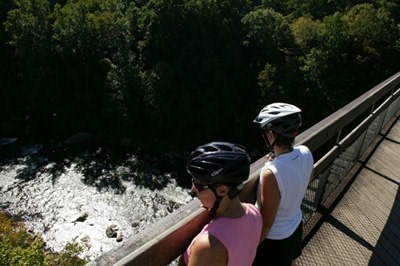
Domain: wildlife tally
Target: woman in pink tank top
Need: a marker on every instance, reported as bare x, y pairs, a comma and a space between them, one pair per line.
218, 170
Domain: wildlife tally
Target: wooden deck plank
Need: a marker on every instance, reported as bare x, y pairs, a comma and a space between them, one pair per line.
330, 246
394, 133
364, 227
380, 187
381, 228
386, 160
370, 203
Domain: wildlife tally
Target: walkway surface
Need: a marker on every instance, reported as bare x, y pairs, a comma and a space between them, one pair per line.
364, 227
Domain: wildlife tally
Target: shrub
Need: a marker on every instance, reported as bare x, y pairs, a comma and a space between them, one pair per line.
19, 247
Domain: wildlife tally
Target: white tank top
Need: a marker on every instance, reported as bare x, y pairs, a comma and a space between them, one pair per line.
292, 172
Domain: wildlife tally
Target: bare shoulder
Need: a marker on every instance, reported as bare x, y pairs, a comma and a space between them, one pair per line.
268, 176
208, 250
269, 184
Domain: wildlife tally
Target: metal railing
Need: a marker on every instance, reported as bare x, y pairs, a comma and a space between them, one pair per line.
340, 144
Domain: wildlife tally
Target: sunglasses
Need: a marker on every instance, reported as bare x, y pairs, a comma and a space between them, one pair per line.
198, 185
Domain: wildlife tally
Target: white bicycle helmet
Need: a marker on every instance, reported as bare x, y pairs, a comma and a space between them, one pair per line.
282, 118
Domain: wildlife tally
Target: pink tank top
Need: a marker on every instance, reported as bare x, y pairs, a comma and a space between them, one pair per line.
240, 236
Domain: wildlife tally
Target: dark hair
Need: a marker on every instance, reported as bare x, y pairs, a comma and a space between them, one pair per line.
283, 141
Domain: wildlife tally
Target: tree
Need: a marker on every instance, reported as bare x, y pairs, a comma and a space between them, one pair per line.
92, 37
347, 52
270, 47
191, 57
8, 113
373, 32
28, 26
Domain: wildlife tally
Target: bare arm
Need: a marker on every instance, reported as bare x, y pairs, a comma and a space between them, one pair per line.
269, 201
208, 250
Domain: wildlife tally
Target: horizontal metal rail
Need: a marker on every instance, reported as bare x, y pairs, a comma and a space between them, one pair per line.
339, 140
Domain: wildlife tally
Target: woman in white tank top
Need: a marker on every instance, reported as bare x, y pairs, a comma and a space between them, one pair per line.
282, 185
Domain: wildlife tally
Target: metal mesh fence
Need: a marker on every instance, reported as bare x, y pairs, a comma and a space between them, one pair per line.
328, 180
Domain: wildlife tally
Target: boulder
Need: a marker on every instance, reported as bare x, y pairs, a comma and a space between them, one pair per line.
111, 231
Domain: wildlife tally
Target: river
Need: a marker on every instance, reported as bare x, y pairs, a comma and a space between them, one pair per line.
74, 195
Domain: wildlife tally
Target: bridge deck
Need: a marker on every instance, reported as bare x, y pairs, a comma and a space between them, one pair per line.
364, 227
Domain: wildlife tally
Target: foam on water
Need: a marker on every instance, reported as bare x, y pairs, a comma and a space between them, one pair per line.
50, 205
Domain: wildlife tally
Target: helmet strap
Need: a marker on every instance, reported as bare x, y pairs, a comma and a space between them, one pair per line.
215, 207
213, 211
234, 191
278, 136
270, 146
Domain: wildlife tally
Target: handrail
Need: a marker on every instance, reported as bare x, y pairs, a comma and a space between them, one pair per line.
167, 239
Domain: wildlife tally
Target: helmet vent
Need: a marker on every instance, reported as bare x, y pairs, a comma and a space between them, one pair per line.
281, 118
274, 113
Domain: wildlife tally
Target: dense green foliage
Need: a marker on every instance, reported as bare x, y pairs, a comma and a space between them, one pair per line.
18, 247
173, 73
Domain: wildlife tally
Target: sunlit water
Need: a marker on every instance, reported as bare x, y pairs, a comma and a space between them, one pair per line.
50, 196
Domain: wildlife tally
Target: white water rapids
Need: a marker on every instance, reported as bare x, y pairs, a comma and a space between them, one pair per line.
49, 201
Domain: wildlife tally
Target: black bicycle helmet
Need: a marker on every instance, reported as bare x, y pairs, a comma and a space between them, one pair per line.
282, 118
219, 163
